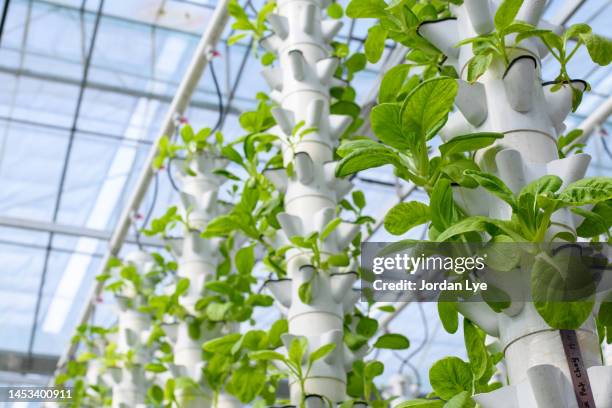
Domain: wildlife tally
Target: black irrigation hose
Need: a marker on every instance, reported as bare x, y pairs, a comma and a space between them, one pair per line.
149, 214
219, 98
3, 18
606, 147
214, 129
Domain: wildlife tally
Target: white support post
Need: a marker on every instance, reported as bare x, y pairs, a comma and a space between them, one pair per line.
514, 101
198, 261
301, 86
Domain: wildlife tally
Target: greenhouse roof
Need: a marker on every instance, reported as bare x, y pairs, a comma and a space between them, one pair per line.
84, 86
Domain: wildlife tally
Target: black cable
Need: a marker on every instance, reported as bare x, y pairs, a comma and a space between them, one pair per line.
214, 129
412, 367
136, 235
425, 337
606, 147
149, 214
169, 169
3, 18
219, 98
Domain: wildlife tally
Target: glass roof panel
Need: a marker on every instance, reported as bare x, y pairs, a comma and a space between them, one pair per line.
138, 60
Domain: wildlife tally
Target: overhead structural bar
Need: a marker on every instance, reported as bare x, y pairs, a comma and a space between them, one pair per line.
594, 120
71, 230
569, 8
180, 102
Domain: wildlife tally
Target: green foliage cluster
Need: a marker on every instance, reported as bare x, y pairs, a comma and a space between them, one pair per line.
414, 101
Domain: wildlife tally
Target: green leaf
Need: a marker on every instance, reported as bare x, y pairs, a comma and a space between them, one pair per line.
350, 146
279, 328
359, 199
356, 63
321, 352
441, 205
477, 224
155, 368
599, 48
367, 327
405, 216
86, 356
386, 124
392, 83
476, 349
427, 107
605, 312
469, 143
187, 134
421, 403
561, 291
543, 185
367, 158
222, 344
182, 286
245, 260
587, 191
366, 9
216, 311
392, 341
375, 43
455, 169
247, 382
506, 13
330, 227
478, 65
493, 185
297, 350
305, 292
231, 154
266, 355
449, 316
335, 11
372, 370
566, 140
268, 58
461, 400
339, 259
221, 225
501, 254
597, 221
156, 394
450, 376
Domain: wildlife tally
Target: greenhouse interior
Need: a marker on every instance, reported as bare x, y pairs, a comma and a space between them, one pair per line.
306, 203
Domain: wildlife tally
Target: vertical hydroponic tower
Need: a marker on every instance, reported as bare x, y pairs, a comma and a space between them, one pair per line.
311, 191
198, 261
512, 99
130, 381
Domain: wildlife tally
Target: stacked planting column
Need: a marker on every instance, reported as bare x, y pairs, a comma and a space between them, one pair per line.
198, 260
129, 381
514, 101
301, 87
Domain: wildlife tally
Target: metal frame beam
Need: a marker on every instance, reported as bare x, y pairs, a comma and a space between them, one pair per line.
107, 88
71, 230
595, 119
27, 363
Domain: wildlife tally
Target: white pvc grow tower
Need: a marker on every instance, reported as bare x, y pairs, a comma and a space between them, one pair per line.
513, 100
301, 86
